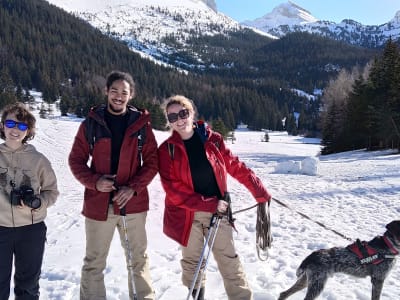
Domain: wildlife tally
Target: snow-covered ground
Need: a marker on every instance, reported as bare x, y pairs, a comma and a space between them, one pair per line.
355, 193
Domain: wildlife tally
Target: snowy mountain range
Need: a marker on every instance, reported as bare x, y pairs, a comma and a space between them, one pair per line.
147, 25
158, 28
289, 17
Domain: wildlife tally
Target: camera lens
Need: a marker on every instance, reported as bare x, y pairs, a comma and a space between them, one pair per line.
35, 202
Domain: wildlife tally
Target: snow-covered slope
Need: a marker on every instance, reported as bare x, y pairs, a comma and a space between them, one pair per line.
355, 193
289, 17
161, 29
146, 25
285, 14
98, 5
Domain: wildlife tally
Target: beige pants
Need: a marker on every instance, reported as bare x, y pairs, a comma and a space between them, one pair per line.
228, 262
99, 235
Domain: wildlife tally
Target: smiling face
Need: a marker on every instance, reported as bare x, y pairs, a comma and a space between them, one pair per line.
118, 96
184, 124
14, 136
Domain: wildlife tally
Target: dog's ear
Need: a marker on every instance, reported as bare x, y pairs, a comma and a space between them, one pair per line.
394, 228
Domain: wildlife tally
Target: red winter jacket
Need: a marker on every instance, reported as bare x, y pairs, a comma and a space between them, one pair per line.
96, 203
181, 201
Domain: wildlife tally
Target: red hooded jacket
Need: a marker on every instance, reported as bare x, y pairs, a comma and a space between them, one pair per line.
181, 201
129, 172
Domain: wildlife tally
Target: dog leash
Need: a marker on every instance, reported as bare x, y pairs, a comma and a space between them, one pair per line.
301, 214
263, 225
308, 218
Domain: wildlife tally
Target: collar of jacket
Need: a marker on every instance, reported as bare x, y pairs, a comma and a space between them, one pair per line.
97, 113
200, 127
24, 148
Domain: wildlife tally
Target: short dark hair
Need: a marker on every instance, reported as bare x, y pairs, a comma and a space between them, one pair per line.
22, 114
119, 75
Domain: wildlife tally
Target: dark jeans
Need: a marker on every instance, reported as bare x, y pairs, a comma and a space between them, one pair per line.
26, 244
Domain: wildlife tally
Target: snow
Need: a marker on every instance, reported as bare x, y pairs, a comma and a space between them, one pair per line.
143, 24
286, 13
289, 17
355, 193
98, 5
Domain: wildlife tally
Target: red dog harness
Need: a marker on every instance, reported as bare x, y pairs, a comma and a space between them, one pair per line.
369, 255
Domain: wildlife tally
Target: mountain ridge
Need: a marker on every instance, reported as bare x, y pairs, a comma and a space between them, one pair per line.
147, 27
239, 76
278, 24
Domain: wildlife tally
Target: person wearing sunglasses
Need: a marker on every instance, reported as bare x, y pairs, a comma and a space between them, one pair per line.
193, 165
28, 186
116, 194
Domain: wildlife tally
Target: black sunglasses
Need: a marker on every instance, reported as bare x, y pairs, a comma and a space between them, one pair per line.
20, 125
173, 117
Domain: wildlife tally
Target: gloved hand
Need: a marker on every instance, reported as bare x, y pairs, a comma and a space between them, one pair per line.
222, 207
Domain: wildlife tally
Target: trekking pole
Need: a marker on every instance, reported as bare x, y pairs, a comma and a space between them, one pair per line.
129, 253
208, 256
214, 224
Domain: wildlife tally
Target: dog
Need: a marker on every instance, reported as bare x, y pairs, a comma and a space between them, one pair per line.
374, 258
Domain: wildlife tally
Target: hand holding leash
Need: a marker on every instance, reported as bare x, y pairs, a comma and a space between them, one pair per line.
222, 207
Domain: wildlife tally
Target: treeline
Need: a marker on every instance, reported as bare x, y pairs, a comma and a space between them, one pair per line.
300, 60
44, 48
362, 107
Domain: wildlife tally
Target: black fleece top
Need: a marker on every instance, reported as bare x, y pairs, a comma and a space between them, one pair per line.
203, 176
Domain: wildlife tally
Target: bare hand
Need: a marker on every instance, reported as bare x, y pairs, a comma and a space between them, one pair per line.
222, 207
123, 195
105, 183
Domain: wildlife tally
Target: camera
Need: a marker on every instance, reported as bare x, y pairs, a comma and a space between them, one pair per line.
26, 195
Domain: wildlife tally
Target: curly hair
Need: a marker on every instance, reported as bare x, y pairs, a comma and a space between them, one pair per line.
118, 75
23, 115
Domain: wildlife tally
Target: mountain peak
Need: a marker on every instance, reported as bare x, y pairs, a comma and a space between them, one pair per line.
396, 17
287, 13
293, 11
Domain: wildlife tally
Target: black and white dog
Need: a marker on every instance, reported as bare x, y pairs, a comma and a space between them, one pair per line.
374, 258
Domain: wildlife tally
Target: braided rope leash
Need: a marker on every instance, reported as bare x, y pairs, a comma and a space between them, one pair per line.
263, 229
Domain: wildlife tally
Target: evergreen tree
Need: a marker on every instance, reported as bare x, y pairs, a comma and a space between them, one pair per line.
219, 126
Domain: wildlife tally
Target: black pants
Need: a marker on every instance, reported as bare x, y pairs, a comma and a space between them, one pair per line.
26, 245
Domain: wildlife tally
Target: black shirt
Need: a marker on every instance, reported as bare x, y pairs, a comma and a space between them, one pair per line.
117, 125
203, 176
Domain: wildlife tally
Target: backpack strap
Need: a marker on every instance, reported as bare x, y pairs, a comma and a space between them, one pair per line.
141, 139
90, 133
91, 137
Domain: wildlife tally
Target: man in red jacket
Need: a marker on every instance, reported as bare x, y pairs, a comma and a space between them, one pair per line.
116, 183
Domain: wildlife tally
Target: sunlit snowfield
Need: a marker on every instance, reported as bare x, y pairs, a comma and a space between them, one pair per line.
355, 193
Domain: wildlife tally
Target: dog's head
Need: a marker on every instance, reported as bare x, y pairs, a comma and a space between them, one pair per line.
394, 228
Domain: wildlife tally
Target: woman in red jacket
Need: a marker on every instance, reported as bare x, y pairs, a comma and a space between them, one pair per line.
193, 165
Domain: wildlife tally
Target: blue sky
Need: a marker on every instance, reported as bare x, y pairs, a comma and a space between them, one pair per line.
367, 12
